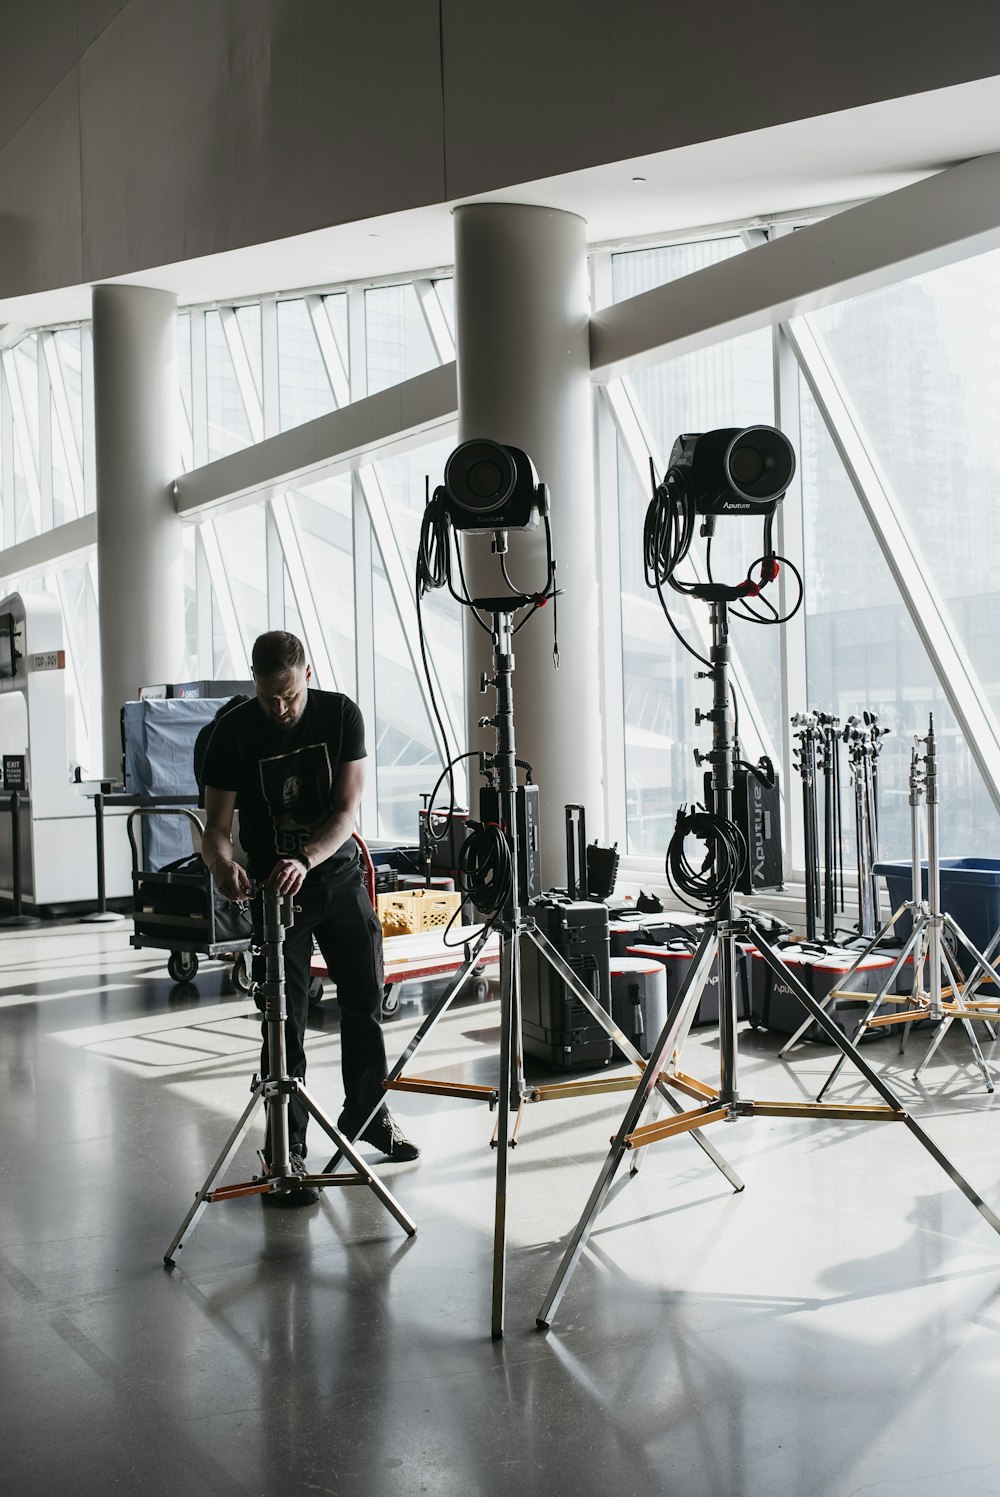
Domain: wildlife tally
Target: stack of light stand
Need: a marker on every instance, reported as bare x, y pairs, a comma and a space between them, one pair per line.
275, 1091
805, 760
833, 863
926, 943
862, 740
723, 1102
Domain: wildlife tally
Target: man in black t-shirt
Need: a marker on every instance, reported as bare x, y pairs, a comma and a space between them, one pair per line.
291, 760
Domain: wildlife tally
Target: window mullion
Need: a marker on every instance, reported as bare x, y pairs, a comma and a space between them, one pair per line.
435, 320
791, 544
364, 580
236, 643
22, 430
612, 688
336, 371
318, 648
57, 385
43, 391
252, 404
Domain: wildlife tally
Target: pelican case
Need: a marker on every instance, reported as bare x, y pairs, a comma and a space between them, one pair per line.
556, 1026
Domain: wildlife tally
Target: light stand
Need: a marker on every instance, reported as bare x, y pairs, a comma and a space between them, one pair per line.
513, 1091
723, 1103
927, 943
274, 1092
833, 868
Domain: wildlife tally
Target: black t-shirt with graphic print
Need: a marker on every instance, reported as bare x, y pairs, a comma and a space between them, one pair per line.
284, 777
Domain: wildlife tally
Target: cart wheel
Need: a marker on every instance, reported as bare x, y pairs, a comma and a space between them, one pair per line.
315, 991
753, 1020
390, 1001
480, 989
182, 965
241, 972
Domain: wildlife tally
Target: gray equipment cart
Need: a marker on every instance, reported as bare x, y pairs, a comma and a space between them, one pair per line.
179, 909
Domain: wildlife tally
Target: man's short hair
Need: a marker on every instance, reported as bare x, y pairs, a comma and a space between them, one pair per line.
277, 653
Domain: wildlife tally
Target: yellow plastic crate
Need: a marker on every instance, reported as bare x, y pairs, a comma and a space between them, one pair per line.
404, 912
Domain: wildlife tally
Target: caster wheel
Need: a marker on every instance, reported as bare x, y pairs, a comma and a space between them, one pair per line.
182, 965
241, 973
753, 1020
315, 991
480, 990
390, 1001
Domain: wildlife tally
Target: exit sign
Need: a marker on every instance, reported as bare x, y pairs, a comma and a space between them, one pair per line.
14, 775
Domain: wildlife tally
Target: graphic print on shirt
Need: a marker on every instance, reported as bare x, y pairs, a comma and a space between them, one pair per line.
296, 787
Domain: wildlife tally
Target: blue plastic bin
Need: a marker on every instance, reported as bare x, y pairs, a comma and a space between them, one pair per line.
970, 894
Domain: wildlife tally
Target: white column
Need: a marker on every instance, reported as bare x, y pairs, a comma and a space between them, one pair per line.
522, 307
140, 564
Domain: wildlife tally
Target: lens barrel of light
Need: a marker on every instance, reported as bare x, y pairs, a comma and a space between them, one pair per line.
480, 476
759, 464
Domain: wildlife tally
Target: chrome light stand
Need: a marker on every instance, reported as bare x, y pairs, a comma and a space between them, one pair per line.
274, 1093
934, 956
723, 1102
513, 922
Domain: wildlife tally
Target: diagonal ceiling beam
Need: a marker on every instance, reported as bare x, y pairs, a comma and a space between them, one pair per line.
383, 425
935, 222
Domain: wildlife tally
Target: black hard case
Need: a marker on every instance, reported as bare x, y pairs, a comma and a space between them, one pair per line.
556, 1026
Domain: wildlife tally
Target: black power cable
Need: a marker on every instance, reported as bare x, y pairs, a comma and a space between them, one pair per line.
487, 870
705, 888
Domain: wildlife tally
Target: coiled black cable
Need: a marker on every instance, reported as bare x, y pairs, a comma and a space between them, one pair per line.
487, 870
705, 888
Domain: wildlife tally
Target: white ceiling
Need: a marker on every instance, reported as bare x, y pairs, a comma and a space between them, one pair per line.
830, 160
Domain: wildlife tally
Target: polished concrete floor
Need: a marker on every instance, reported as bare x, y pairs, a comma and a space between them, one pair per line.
834, 1329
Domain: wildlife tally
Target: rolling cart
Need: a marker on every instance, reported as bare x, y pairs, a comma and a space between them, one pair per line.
178, 909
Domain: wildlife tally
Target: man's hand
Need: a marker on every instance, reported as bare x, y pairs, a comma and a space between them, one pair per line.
232, 881
287, 876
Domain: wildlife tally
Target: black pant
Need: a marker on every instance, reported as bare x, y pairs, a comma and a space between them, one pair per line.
349, 935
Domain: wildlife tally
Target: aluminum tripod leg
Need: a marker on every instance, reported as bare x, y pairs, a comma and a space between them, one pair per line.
985, 969
221, 1164
436, 1013
879, 1085
958, 994
862, 956
506, 1101
640, 1097
367, 1176
869, 1012
689, 996
624, 1044
936, 1039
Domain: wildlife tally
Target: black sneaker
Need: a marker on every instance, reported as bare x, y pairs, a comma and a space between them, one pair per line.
385, 1134
299, 1195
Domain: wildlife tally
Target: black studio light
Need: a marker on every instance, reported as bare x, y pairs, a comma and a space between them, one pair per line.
734, 470
492, 486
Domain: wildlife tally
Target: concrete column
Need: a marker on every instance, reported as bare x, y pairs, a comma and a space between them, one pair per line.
522, 308
140, 565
